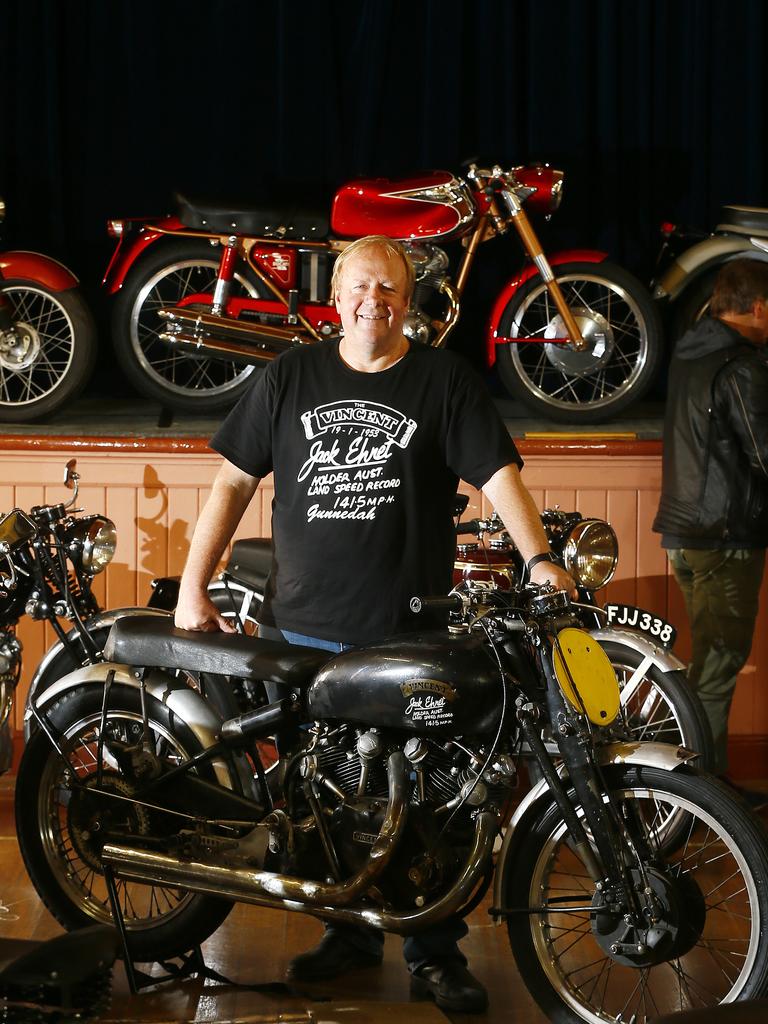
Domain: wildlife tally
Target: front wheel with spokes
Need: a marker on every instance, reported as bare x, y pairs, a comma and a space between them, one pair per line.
699, 938
47, 356
617, 320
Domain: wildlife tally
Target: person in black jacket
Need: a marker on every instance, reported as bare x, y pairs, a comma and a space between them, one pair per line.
713, 513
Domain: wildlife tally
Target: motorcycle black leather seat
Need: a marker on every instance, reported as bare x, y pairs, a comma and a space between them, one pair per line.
250, 561
154, 642
744, 220
264, 220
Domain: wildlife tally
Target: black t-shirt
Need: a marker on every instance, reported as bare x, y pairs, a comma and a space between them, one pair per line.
366, 467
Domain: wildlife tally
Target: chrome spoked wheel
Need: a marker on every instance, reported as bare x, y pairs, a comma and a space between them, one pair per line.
709, 898
68, 807
173, 376
617, 321
175, 370
68, 818
48, 355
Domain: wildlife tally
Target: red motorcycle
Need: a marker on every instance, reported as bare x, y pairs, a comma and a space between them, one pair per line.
208, 294
47, 336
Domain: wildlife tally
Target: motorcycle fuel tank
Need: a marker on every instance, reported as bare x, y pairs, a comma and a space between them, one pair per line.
430, 205
430, 682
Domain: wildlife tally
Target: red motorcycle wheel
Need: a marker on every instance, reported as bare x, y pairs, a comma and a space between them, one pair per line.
624, 342
176, 379
48, 357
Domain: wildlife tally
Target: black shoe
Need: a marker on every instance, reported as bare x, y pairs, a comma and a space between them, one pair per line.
332, 955
451, 986
751, 796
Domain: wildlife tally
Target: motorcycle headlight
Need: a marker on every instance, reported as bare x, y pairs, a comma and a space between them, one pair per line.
591, 553
94, 540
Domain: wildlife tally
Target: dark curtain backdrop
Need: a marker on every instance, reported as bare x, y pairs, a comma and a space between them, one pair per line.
656, 109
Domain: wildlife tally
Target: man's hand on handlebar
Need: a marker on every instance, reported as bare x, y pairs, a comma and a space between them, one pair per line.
548, 572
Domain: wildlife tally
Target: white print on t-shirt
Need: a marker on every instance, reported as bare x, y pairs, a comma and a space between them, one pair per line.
351, 443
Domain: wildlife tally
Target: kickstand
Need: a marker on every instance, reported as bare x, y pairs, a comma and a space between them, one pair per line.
191, 963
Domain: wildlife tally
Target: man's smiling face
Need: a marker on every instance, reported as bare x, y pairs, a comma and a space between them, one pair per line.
372, 300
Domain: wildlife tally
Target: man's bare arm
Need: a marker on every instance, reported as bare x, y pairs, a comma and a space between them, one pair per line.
231, 493
513, 501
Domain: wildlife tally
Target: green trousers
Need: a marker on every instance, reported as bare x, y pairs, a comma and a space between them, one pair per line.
721, 591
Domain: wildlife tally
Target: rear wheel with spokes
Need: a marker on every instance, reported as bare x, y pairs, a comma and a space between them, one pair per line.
176, 378
62, 824
620, 325
708, 897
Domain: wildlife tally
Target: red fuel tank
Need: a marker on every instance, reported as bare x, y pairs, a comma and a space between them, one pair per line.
430, 205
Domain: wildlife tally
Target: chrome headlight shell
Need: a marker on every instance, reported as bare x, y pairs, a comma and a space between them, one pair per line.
92, 541
591, 553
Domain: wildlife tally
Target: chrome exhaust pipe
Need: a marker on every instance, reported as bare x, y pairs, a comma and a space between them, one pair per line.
266, 889
237, 351
220, 335
251, 886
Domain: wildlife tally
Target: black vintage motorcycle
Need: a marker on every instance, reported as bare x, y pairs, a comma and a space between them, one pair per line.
658, 703
48, 559
631, 884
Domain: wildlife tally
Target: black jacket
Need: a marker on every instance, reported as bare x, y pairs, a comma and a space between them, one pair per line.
715, 465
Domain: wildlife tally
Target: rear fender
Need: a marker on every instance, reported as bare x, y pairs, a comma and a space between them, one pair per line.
708, 255
186, 704
130, 247
649, 755
516, 283
37, 269
54, 663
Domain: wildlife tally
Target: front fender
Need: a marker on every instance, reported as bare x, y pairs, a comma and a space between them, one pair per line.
530, 270
649, 755
186, 704
37, 268
57, 660
706, 255
657, 654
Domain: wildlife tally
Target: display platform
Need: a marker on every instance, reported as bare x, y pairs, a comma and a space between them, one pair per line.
94, 417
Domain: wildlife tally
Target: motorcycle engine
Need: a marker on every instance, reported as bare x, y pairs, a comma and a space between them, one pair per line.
348, 771
430, 265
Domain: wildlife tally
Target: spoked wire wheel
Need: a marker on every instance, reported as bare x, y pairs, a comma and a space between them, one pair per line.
62, 824
48, 356
710, 892
618, 322
173, 375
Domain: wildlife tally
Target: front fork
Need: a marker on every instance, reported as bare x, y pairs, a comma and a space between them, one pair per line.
610, 838
532, 246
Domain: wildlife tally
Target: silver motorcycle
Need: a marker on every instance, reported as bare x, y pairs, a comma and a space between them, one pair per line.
689, 261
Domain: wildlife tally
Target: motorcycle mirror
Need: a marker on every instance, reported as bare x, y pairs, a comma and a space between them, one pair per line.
70, 476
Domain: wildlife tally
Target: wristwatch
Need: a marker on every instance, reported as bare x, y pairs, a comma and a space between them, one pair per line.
545, 556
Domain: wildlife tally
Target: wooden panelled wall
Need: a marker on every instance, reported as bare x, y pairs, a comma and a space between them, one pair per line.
154, 496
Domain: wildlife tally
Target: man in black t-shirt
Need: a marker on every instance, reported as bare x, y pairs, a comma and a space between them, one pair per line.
367, 440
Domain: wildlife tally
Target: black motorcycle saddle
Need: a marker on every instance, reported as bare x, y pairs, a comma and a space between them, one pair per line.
263, 220
250, 561
154, 642
744, 220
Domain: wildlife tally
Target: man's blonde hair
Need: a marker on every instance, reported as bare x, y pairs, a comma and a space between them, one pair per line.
386, 245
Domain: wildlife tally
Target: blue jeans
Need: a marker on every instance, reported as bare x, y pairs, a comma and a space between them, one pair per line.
436, 943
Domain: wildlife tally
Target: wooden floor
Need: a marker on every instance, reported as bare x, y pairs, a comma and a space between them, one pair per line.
254, 946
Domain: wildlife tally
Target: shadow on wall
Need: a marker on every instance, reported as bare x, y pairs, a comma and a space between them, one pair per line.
164, 545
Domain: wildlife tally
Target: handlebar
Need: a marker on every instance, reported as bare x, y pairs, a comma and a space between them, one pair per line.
448, 602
